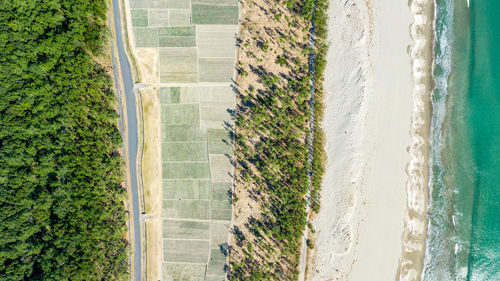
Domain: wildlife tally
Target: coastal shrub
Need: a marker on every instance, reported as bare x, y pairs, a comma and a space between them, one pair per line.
320, 20
310, 244
277, 116
271, 150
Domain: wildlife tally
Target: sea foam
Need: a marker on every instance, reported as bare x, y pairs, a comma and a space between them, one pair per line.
420, 52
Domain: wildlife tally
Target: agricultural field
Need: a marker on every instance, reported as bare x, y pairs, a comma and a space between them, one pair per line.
197, 180
233, 210
189, 49
195, 39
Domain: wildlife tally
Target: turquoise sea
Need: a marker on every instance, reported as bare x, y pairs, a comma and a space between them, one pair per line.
463, 240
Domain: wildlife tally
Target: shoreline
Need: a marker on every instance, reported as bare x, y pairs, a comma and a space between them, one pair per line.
416, 222
373, 156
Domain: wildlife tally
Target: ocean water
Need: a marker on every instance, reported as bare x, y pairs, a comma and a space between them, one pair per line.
463, 240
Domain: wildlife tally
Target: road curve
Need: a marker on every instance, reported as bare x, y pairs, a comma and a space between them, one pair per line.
132, 135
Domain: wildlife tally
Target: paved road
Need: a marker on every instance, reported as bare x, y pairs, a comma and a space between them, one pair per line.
128, 86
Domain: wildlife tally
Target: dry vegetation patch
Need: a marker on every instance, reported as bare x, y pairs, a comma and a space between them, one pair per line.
151, 171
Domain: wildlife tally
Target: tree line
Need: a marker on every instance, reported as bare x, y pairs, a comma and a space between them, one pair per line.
272, 129
62, 215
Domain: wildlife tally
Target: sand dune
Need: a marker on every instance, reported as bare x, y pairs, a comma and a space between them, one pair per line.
369, 104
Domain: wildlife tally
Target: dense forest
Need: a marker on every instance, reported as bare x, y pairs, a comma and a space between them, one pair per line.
62, 215
272, 134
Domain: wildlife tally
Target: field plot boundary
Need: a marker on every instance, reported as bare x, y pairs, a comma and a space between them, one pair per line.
192, 75
186, 200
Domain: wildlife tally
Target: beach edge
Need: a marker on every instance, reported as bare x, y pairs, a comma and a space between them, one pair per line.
421, 55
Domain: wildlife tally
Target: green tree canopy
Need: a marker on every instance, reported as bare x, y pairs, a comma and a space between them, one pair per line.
61, 200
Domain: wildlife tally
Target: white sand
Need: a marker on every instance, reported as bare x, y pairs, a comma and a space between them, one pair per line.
367, 121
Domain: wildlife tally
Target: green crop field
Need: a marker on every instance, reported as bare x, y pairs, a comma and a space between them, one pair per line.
216, 264
182, 133
184, 151
216, 41
214, 14
177, 31
177, 4
219, 142
196, 39
140, 18
197, 182
186, 229
187, 209
179, 64
216, 2
185, 272
216, 69
177, 41
221, 168
158, 18
170, 95
146, 37
185, 251
180, 114
196, 43
149, 3
179, 17
186, 189
186, 170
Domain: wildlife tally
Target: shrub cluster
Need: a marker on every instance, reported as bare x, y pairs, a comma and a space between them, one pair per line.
62, 215
320, 21
316, 12
271, 151
275, 162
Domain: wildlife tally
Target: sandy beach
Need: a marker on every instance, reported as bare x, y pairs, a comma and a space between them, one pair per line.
371, 106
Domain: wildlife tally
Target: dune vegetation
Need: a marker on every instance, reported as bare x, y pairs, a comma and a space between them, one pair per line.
275, 66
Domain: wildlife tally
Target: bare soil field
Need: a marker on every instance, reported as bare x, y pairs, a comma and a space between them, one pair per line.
151, 172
